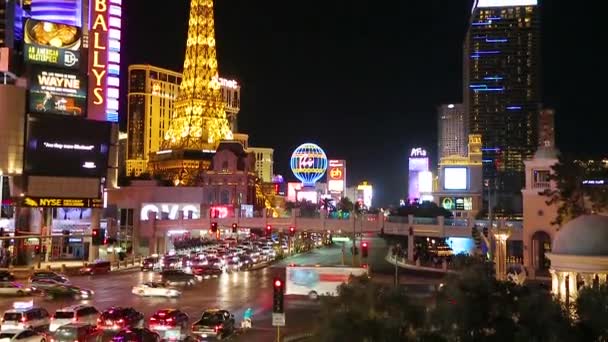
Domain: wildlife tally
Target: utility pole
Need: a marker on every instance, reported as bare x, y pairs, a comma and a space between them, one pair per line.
354, 238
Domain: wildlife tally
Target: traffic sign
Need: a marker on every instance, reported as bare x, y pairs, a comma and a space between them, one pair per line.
278, 319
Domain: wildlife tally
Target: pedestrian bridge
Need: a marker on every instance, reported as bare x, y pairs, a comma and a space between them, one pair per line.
417, 226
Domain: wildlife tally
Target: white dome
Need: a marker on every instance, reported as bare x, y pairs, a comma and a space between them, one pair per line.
585, 235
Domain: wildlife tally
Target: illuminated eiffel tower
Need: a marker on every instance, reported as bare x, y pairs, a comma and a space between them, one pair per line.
199, 121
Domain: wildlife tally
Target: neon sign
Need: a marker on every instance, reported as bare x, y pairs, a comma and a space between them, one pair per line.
308, 163
104, 57
418, 152
169, 209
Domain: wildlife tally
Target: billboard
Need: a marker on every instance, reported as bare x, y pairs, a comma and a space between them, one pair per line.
455, 178
52, 44
104, 60
336, 176
58, 202
457, 203
57, 91
66, 146
59, 11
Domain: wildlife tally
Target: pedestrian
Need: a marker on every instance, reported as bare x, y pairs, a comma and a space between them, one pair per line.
247, 316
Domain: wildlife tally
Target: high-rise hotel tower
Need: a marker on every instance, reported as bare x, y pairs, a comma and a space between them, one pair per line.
502, 90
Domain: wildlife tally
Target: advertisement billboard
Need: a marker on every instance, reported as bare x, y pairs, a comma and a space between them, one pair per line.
104, 60
66, 146
52, 44
57, 91
336, 175
457, 203
59, 11
58, 202
455, 178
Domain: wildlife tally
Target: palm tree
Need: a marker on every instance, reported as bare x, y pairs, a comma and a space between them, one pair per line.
346, 205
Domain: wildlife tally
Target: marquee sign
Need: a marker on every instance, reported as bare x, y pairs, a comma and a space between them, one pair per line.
104, 60
169, 210
54, 202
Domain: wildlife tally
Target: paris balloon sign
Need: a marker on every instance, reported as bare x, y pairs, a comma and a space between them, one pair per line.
308, 163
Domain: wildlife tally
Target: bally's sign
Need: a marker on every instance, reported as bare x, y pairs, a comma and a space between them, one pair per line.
169, 210
98, 59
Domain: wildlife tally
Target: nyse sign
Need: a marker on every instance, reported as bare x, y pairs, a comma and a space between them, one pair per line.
170, 210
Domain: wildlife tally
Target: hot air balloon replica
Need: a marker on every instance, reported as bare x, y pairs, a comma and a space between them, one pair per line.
308, 163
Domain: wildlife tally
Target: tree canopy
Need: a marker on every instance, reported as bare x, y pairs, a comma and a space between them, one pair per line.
471, 306
576, 191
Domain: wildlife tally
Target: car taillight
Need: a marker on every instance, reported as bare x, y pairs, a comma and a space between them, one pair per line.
121, 321
99, 320
23, 319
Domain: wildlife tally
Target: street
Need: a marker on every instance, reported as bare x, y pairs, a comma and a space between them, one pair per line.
235, 292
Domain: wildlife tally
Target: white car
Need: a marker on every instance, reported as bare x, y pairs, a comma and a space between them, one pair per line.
76, 313
155, 289
13, 288
27, 335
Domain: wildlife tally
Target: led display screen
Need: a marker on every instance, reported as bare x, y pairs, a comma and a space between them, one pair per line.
52, 44
57, 91
455, 178
66, 146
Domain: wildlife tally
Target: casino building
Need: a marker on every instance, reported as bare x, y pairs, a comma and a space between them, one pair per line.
60, 65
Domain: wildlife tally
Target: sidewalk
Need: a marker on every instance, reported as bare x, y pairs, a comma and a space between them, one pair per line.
69, 267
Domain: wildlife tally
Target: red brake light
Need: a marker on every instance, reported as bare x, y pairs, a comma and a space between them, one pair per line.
23, 319
121, 321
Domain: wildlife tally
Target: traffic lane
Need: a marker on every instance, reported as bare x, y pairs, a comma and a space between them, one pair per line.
235, 292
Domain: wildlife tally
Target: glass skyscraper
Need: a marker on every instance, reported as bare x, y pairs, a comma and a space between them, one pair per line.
502, 90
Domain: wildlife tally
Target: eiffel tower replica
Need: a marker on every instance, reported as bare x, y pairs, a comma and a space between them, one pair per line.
199, 120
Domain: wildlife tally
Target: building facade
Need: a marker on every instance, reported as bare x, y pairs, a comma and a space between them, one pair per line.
460, 185
502, 89
151, 95
452, 131
264, 162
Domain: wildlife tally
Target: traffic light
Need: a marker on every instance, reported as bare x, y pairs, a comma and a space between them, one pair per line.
234, 227
214, 227
364, 249
37, 249
268, 229
277, 298
99, 236
476, 236
292, 231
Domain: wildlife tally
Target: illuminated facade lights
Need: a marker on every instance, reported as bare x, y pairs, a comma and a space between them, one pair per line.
199, 120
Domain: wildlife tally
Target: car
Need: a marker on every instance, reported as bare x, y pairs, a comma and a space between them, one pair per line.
6, 276
214, 323
149, 264
137, 335
14, 289
177, 277
155, 289
206, 271
80, 331
117, 318
96, 268
246, 261
25, 315
74, 314
62, 290
233, 266
170, 324
59, 278
25, 335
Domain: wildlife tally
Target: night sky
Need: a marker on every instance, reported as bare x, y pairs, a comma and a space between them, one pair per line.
362, 78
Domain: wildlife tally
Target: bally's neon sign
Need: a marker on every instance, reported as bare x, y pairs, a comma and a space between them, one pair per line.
99, 49
171, 209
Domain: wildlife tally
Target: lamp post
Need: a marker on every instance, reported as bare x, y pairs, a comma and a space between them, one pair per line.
501, 235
